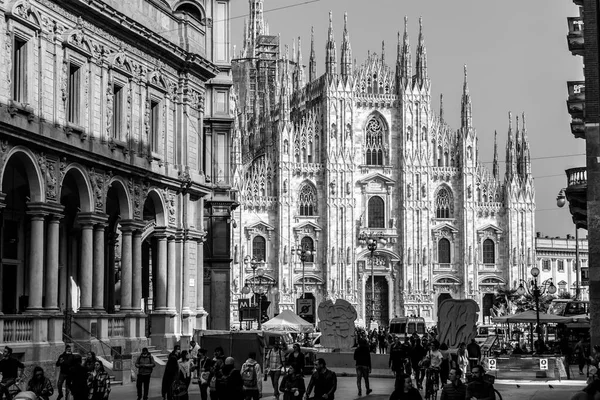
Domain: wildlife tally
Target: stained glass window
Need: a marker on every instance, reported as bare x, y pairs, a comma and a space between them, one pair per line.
374, 142
307, 200
443, 204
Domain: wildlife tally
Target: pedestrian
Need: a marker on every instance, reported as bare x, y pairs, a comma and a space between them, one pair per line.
474, 351
90, 361
455, 390
11, 370
194, 348
171, 372
292, 385
77, 379
323, 380
252, 378
445, 366
181, 384
296, 359
98, 383
417, 352
216, 373
396, 360
581, 353
275, 360
382, 341
204, 365
145, 364
590, 392
231, 385
64, 362
404, 390
478, 388
40, 385
362, 357
462, 357
219, 354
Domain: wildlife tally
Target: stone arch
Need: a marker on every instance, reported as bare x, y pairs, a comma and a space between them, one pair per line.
190, 7
120, 186
159, 206
83, 185
378, 115
391, 255
24, 10
32, 169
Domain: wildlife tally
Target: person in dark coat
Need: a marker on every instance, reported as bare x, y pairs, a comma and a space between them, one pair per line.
64, 362
90, 361
362, 356
455, 390
40, 385
417, 352
404, 390
171, 372
474, 351
230, 386
296, 359
397, 356
77, 379
292, 385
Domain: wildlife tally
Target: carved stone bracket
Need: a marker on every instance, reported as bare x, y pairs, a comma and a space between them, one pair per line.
99, 180
49, 168
170, 201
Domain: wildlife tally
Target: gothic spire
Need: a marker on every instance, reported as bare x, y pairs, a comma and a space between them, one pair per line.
383, 52
403, 67
299, 67
441, 107
466, 108
330, 56
511, 166
346, 63
525, 153
421, 57
256, 24
312, 63
495, 171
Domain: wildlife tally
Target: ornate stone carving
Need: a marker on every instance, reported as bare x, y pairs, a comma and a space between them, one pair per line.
337, 323
4, 148
99, 180
23, 10
457, 321
109, 108
48, 168
137, 196
169, 197
64, 82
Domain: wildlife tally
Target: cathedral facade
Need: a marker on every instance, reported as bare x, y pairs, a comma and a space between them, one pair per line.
326, 162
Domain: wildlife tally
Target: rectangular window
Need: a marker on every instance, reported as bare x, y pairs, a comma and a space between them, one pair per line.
19, 75
221, 103
222, 161
208, 155
117, 117
546, 265
74, 91
560, 265
154, 128
221, 30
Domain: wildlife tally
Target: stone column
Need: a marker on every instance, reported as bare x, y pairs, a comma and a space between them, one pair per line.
161, 272
52, 261
99, 264
110, 270
136, 276
185, 276
36, 256
86, 269
126, 266
2, 206
171, 273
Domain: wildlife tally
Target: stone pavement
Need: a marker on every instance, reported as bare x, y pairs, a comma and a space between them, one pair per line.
382, 388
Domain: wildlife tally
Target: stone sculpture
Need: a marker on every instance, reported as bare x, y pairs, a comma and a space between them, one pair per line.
457, 321
336, 322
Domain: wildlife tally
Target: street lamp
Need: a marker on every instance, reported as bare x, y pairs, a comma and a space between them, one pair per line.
304, 253
536, 291
561, 200
371, 246
254, 263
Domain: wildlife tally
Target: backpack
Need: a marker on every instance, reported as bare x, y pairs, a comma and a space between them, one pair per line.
249, 376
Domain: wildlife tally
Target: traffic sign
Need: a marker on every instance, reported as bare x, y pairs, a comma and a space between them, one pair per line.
492, 364
306, 309
543, 364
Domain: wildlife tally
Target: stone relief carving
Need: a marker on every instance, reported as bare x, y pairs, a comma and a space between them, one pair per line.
169, 197
4, 148
337, 323
48, 168
137, 191
457, 321
99, 180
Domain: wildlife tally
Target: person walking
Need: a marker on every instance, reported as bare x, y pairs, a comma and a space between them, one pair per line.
362, 356
292, 385
77, 379
11, 370
478, 388
98, 383
323, 380
296, 359
194, 349
582, 350
404, 390
275, 362
231, 385
90, 361
462, 357
417, 352
474, 351
216, 374
455, 390
396, 360
40, 385
445, 366
171, 372
64, 363
252, 378
182, 384
204, 365
145, 364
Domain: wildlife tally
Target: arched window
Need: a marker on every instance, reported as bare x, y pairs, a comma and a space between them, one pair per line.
376, 212
307, 244
443, 204
489, 252
307, 200
259, 248
374, 142
444, 251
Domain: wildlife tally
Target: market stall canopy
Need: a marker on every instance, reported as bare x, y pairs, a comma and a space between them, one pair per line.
531, 317
287, 321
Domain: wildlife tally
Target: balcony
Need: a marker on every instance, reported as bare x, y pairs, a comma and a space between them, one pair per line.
576, 193
576, 99
578, 128
578, 3
575, 35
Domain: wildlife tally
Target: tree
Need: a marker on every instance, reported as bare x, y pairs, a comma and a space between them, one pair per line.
508, 301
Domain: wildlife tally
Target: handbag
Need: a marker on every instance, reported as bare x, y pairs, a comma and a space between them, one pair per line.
179, 388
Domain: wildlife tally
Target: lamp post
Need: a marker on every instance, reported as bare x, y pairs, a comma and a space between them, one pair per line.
561, 200
254, 263
536, 291
371, 246
304, 253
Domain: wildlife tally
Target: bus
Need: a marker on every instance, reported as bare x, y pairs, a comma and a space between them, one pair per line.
404, 327
569, 307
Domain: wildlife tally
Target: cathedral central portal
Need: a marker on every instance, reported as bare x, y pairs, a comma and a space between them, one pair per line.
377, 301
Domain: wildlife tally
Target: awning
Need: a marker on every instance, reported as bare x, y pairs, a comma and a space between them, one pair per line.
531, 317
287, 321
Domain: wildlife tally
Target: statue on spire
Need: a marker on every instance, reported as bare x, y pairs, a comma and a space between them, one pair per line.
346, 62
312, 62
466, 107
330, 56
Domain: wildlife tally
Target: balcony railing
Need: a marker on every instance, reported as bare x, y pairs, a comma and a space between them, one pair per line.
116, 327
18, 330
576, 99
576, 176
575, 35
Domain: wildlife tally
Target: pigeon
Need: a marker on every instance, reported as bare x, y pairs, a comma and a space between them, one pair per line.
518, 386
551, 387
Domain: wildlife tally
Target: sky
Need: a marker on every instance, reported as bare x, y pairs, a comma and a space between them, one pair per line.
517, 57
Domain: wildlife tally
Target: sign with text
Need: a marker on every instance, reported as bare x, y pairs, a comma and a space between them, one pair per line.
543, 364
492, 364
306, 309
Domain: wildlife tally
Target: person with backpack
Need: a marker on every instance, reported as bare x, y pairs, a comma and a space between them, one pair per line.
145, 364
252, 378
230, 386
275, 361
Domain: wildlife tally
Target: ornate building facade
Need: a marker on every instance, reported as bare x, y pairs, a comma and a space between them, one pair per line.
325, 161
114, 195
